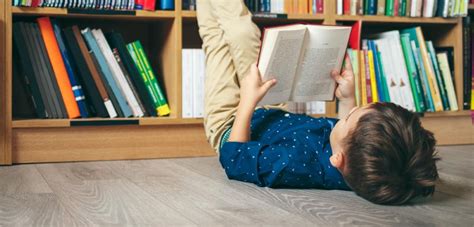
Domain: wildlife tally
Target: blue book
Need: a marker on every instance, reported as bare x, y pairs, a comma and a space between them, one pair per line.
76, 87
167, 4
424, 78
378, 75
94, 47
266, 6
371, 7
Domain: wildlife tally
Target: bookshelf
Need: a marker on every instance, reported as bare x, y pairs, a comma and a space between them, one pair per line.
164, 34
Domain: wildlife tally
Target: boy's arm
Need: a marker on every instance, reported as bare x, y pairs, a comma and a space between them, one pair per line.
252, 90
345, 88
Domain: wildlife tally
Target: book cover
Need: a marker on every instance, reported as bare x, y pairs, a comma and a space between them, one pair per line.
149, 5
439, 78
167, 5
107, 73
403, 8
58, 67
447, 78
94, 86
423, 78
353, 55
389, 11
385, 91
396, 7
416, 35
381, 7
347, 7
373, 82
21, 94
29, 75
116, 41
58, 108
368, 83
377, 72
412, 73
76, 86
354, 38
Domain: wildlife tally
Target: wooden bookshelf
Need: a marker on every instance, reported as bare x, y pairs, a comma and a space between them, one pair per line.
164, 34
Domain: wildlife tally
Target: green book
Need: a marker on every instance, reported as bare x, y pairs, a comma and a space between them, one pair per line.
413, 73
386, 94
403, 8
389, 7
162, 108
439, 79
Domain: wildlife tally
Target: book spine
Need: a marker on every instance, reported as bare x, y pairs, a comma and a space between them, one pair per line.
340, 7
373, 82
319, 6
389, 7
149, 5
117, 73
385, 91
424, 78
467, 77
439, 79
347, 7
412, 73
372, 8
102, 63
381, 7
58, 67
446, 71
403, 8
187, 83
139, 4
167, 4
396, 7
377, 72
163, 108
367, 77
362, 78
76, 87
142, 71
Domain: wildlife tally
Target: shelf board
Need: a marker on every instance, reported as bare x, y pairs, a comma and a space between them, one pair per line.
47, 11
62, 123
188, 14
460, 113
388, 19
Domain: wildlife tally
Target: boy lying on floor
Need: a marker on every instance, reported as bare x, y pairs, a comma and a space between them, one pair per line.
380, 151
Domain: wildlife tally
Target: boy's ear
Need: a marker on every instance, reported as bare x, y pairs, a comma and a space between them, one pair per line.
337, 160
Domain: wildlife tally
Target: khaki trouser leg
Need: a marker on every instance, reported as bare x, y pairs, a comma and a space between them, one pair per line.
231, 42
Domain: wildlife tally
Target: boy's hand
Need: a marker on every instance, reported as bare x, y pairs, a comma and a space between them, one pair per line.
345, 82
252, 88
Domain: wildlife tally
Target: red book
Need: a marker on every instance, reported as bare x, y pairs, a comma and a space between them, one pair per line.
347, 7
139, 4
34, 3
149, 5
319, 6
396, 7
368, 86
354, 38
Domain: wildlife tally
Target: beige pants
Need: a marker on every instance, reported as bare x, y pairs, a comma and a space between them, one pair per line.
231, 42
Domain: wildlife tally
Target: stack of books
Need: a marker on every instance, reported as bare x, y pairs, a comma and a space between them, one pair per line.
275, 6
401, 67
72, 73
193, 75
99, 4
408, 8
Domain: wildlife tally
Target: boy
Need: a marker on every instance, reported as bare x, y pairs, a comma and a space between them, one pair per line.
380, 151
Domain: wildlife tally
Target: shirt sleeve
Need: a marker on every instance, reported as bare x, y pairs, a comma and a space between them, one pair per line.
271, 165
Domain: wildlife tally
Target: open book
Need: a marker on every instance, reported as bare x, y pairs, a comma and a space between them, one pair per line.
301, 58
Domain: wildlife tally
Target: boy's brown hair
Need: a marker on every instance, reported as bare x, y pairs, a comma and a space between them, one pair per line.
390, 156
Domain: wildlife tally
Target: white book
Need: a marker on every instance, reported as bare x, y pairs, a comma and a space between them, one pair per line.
428, 7
301, 58
340, 7
448, 81
401, 72
318, 107
187, 84
273, 6
117, 73
198, 88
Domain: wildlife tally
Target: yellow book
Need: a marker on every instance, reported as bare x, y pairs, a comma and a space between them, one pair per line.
373, 82
363, 88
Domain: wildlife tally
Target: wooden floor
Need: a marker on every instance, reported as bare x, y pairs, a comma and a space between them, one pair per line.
196, 192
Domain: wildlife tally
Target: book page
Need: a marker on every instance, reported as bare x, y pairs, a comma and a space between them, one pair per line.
324, 51
279, 59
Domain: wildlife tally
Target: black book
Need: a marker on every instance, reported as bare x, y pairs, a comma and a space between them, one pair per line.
467, 77
116, 41
23, 100
107, 87
95, 102
47, 70
22, 59
30, 68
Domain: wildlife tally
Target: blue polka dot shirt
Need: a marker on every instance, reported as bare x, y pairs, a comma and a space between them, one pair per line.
286, 151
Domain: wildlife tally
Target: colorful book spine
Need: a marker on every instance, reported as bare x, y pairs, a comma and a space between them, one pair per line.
412, 73
385, 91
162, 105
373, 82
59, 68
377, 70
389, 7
423, 78
167, 4
439, 79
448, 81
381, 7
368, 84
363, 87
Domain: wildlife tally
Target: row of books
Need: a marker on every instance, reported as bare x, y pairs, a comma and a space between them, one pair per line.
72, 73
193, 74
315, 107
286, 6
401, 67
409, 8
100, 4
